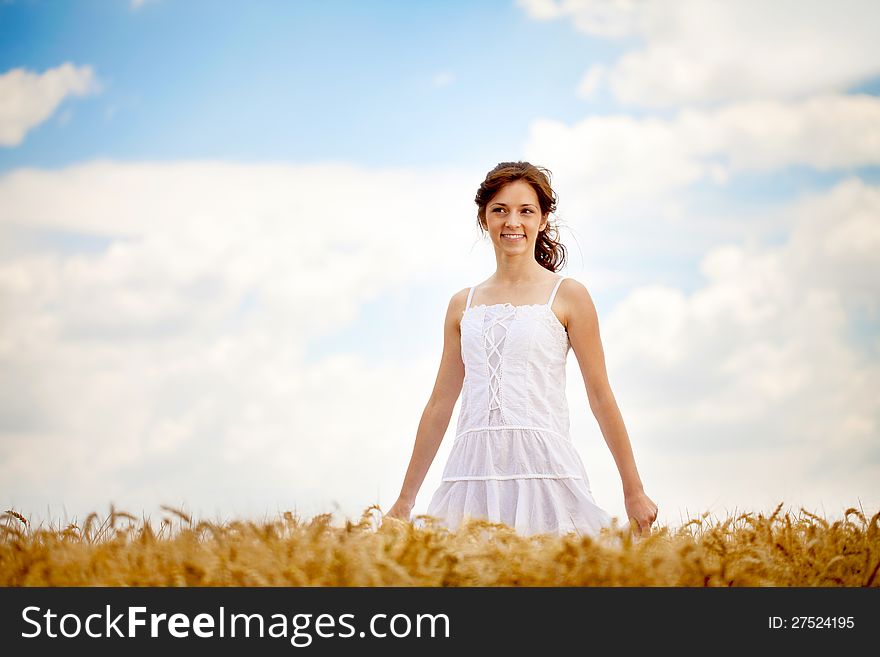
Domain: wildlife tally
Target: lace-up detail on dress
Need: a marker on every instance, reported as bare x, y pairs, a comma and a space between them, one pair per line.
512, 460
493, 342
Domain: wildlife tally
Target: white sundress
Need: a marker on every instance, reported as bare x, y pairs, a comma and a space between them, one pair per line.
512, 460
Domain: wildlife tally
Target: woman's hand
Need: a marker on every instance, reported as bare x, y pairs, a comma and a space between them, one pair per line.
400, 511
641, 511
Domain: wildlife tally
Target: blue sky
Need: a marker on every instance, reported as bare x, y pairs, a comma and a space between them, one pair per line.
297, 81
219, 226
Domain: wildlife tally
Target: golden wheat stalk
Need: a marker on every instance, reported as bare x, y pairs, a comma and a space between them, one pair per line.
180, 514
16, 514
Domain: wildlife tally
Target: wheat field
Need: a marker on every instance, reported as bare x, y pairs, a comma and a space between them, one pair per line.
747, 549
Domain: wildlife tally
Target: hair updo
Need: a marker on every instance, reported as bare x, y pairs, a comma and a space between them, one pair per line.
549, 251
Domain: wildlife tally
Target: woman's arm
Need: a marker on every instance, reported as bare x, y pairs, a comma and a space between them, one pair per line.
583, 332
438, 411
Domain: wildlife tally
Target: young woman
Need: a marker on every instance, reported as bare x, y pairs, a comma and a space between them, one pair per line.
506, 344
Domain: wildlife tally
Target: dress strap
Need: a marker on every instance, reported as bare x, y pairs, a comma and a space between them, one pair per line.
555, 287
470, 296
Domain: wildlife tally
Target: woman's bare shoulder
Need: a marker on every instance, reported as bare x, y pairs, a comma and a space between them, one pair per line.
570, 284
457, 304
572, 297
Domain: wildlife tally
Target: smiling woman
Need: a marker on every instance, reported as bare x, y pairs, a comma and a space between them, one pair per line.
512, 460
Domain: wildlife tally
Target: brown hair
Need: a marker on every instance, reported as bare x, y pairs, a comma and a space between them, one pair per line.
549, 251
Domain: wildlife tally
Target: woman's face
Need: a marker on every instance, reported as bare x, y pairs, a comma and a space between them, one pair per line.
514, 210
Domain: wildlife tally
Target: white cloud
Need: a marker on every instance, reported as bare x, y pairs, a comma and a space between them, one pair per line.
541, 9
27, 99
612, 161
751, 389
179, 362
713, 51
616, 18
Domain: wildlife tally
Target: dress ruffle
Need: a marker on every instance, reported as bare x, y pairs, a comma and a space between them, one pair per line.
529, 505
529, 478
